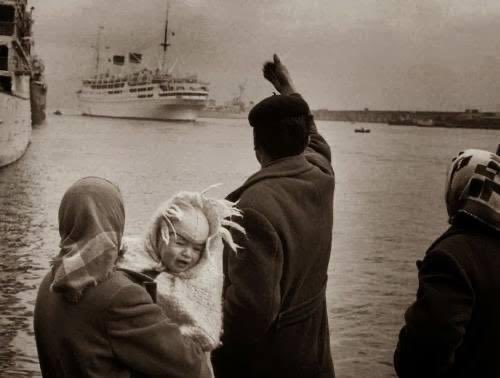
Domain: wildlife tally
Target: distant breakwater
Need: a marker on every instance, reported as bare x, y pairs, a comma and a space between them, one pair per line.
471, 118
382, 116
368, 116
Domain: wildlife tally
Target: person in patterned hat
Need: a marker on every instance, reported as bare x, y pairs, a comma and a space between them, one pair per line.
452, 329
92, 319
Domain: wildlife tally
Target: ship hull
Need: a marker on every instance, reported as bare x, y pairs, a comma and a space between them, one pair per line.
15, 127
222, 114
154, 109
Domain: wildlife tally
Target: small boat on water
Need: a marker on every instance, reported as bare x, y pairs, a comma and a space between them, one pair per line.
362, 130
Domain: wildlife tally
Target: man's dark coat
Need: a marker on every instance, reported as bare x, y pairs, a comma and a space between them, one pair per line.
275, 316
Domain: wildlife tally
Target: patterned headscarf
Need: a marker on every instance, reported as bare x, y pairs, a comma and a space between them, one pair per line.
473, 187
91, 224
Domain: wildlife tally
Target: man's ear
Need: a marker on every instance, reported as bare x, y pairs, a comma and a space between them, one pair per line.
309, 121
258, 154
255, 146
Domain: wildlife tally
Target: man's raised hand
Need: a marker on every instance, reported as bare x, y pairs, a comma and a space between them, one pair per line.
279, 76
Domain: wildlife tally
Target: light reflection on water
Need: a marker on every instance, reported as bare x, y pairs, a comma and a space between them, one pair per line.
388, 208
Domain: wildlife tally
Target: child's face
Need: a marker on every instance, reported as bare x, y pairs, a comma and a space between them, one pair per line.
181, 253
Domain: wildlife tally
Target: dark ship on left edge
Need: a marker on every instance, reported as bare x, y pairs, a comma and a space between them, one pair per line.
22, 86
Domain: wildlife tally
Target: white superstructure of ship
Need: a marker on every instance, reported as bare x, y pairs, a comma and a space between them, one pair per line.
15, 73
125, 91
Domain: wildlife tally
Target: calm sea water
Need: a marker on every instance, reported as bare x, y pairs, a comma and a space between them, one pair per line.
388, 208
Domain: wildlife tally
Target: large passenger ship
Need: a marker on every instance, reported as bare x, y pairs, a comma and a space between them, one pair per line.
125, 90
15, 75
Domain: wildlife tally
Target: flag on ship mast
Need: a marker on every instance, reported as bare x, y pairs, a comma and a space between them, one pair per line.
134, 58
118, 60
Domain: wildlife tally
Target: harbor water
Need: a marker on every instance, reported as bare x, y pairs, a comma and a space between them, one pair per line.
389, 206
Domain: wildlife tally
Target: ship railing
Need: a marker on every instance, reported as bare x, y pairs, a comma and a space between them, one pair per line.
7, 28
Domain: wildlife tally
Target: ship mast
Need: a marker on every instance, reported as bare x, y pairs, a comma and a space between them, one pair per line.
98, 49
165, 43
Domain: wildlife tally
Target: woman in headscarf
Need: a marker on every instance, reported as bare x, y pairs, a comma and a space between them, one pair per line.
453, 327
92, 320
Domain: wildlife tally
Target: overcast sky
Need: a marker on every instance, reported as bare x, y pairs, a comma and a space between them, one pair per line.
343, 54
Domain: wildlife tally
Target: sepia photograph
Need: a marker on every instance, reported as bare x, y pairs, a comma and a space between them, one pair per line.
254, 189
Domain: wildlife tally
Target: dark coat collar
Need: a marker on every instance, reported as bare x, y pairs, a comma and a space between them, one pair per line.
285, 167
466, 226
144, 280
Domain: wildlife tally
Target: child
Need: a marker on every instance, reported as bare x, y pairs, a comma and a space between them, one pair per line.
182, 251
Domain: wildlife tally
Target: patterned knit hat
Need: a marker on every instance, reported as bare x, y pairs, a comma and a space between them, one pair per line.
473, 187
